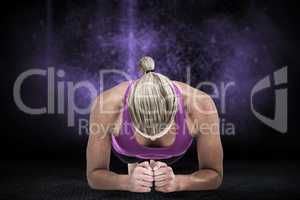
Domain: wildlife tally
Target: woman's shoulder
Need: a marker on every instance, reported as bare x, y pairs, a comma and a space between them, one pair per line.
110, 101
188, 91
194, 99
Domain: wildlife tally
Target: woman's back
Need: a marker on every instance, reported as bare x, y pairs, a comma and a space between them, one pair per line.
172, 144
112, 103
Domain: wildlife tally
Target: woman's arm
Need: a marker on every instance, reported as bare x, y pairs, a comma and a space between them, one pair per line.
210, 173
103, 115
98, 174
205, 122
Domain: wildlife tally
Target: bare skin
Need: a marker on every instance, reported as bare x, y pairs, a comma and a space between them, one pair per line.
203, 124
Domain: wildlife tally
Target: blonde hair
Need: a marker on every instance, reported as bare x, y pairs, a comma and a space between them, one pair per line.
152, 103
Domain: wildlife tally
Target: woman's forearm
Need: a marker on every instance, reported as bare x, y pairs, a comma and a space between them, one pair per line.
205, 179
103, 179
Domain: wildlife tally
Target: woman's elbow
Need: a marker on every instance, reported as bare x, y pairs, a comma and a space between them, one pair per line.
91, 181
218, 182
215, 182
91, 184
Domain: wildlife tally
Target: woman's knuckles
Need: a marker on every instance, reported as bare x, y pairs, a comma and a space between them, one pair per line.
160, 178
149, 178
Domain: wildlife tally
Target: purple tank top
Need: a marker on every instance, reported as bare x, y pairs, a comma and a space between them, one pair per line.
126, 144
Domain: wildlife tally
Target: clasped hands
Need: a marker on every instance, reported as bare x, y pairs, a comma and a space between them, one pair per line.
152, 174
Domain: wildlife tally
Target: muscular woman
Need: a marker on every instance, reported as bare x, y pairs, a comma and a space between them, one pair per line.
149, 123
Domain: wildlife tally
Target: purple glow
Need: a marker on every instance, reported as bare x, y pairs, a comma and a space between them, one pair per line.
129, 28
217, 49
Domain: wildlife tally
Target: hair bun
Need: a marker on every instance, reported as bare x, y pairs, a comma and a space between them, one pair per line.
146, 63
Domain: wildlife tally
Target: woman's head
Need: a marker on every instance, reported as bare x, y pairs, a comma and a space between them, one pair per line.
152, 102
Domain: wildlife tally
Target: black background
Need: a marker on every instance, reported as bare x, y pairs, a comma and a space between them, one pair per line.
46, 137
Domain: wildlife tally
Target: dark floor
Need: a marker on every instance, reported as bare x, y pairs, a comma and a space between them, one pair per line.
62, 180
